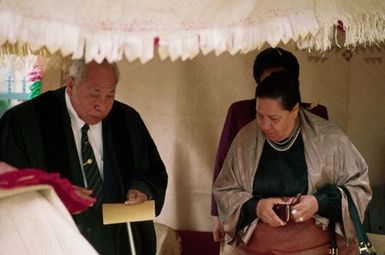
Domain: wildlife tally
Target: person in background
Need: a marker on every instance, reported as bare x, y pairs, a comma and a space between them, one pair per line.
99, 144
243, 112
288, 156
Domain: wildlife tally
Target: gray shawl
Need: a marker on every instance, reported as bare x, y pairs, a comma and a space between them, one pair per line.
330, 157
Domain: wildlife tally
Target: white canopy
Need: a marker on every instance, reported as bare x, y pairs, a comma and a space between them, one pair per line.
98, 29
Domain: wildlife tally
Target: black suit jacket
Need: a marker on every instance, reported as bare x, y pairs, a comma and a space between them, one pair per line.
38, 134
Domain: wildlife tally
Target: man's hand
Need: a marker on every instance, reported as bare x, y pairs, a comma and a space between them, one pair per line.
135, 197
266, 213
218, 233
84, 194
4, 168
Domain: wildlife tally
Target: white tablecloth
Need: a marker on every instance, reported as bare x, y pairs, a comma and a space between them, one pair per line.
33, 220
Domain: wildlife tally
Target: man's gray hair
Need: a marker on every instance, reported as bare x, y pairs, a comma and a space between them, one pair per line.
77, 67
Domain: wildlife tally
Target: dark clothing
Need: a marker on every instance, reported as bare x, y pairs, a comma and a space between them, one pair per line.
284, 174
279, 174
38, 134
239, 114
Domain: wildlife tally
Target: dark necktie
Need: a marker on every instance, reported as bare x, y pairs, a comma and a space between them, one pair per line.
90, 167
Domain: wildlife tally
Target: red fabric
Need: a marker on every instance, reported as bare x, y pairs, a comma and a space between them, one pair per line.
63, 187
198, 242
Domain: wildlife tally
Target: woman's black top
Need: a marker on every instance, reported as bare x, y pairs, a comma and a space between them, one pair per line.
284, 173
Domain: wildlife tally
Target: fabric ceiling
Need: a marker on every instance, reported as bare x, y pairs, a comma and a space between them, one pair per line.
98, 29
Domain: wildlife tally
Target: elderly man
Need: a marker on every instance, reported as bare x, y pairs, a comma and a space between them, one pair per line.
98, 143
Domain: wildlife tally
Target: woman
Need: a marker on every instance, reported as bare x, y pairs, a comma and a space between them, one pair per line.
285, 154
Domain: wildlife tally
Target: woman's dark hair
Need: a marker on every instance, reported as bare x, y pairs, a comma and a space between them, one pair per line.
275, 57
281, 85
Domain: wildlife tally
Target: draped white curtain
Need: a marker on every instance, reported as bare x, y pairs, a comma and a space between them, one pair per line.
98, 29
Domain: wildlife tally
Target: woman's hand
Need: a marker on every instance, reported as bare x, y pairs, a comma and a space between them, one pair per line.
266, 213
305, 209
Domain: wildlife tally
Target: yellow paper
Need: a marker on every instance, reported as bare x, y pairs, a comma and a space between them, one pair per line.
121, 213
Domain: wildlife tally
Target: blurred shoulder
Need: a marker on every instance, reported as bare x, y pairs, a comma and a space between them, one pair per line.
248, 134
320, 128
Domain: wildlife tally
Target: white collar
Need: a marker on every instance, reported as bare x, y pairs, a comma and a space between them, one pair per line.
73, 115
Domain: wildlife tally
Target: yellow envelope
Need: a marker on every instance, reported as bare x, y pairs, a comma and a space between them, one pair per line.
121, 213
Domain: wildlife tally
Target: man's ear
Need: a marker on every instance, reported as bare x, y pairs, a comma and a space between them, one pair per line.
70, 82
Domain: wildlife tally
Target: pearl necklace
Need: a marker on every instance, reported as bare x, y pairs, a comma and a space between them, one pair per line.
287, 143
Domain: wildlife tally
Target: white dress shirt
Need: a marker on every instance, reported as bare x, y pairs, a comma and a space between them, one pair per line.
94, 137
